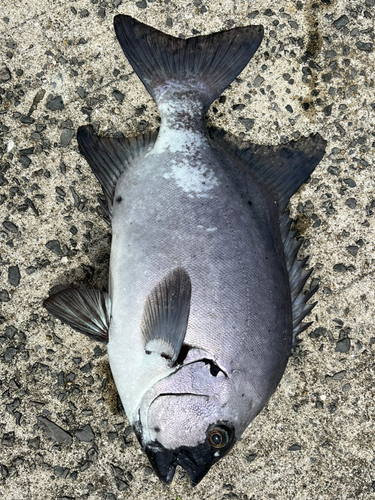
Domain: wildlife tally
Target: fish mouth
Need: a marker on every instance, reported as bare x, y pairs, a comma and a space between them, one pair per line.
164, 462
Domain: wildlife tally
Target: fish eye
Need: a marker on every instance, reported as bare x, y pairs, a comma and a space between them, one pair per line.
218, 437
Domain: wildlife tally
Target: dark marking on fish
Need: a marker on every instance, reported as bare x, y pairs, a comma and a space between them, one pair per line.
184, 351
214, 368
195, 461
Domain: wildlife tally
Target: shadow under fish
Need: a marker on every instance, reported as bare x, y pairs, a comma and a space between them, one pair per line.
205, 291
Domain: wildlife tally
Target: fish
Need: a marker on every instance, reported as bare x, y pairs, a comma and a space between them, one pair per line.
205, 296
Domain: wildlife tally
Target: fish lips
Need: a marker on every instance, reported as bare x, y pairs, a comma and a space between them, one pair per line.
163, 462
195, 461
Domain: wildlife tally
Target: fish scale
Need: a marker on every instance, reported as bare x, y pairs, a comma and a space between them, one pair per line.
205, 292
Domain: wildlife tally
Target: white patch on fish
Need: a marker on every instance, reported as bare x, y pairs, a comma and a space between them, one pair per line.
178, 141
192, 179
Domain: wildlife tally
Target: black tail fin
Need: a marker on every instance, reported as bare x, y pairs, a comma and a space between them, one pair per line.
205, 64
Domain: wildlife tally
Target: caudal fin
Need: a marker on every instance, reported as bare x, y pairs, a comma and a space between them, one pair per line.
205, 64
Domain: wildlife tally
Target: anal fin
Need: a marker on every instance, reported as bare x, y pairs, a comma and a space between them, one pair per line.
85, 309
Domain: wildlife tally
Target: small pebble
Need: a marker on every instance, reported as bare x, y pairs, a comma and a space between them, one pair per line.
85, 434
54, 432
55, 104
5, 74
341, 22
343, 345
54, 246
14, 275
294, 447
66, 137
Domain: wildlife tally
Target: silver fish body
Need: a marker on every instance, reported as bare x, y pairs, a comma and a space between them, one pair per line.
204, 298
187, 204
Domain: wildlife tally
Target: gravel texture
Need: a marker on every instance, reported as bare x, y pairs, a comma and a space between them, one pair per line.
63, 432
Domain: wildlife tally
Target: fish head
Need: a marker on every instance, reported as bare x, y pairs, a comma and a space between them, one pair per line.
191, 418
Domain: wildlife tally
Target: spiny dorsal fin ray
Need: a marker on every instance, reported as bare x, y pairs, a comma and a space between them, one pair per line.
300, 283
306, 310
108, 157
85, 309
205, 64
293, 252
166, 314
301, 328
296, 273
297, 279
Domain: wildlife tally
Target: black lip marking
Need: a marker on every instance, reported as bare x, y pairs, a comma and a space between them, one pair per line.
196, 461
119, 199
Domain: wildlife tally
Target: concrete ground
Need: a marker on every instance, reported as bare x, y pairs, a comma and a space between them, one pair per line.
63, 434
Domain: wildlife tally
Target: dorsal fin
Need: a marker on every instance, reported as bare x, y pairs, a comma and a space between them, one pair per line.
85, 309
108, 157
281, 169
166, 314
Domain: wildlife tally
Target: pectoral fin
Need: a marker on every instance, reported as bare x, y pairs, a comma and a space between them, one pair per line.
85, 309
166, 314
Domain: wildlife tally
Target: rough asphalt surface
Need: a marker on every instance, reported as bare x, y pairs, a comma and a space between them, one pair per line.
63, 433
